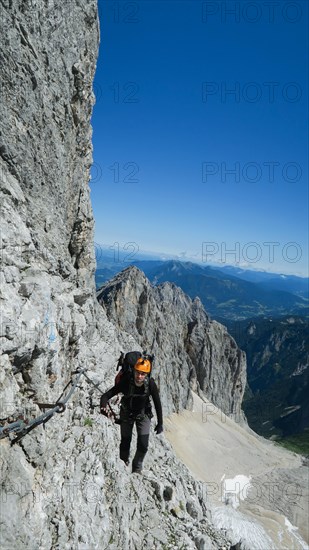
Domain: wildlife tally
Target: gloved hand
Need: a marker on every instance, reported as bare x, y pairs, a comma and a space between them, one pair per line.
159, 429
103, 402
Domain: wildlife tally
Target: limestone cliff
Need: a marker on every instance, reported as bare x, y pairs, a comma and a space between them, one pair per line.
190, 349
62, 484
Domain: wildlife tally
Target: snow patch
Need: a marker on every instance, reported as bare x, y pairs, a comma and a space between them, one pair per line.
235, 489
293, 530
241, 529
290, 410
299, 370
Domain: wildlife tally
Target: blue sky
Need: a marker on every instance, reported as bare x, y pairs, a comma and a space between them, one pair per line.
200, 131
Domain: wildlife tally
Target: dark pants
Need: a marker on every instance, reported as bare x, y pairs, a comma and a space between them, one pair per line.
126, 428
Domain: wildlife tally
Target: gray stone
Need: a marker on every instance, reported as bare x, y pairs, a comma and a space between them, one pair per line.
203, 542
168, 493
193, 508
191, 351
63, 485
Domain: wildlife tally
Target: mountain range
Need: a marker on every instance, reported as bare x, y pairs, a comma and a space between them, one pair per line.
226, 293
267, 316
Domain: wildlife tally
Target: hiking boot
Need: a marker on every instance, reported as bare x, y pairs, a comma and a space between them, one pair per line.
137, 463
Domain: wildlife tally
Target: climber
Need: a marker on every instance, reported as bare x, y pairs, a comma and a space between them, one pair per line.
135, 407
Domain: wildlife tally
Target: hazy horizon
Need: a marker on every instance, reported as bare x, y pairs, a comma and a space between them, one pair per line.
130, 255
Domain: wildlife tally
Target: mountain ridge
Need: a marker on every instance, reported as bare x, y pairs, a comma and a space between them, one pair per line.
223, 296
178, 331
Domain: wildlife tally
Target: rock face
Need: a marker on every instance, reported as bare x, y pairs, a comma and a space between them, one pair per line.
278, 374
63, 486
48, 57
190, 349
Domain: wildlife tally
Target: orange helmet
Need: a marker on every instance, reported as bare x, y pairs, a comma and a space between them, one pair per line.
143, 365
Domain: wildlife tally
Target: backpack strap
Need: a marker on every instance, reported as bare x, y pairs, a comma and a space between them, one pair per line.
132, 393
147, 385
132, 386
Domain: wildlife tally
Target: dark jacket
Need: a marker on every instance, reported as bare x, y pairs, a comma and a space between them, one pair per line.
136, 399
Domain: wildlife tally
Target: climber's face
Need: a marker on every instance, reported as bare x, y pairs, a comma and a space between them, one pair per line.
139, 378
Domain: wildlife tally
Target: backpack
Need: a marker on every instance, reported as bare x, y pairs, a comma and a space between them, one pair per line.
126, 362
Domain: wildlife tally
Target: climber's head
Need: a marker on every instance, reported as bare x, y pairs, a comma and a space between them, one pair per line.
142, 367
